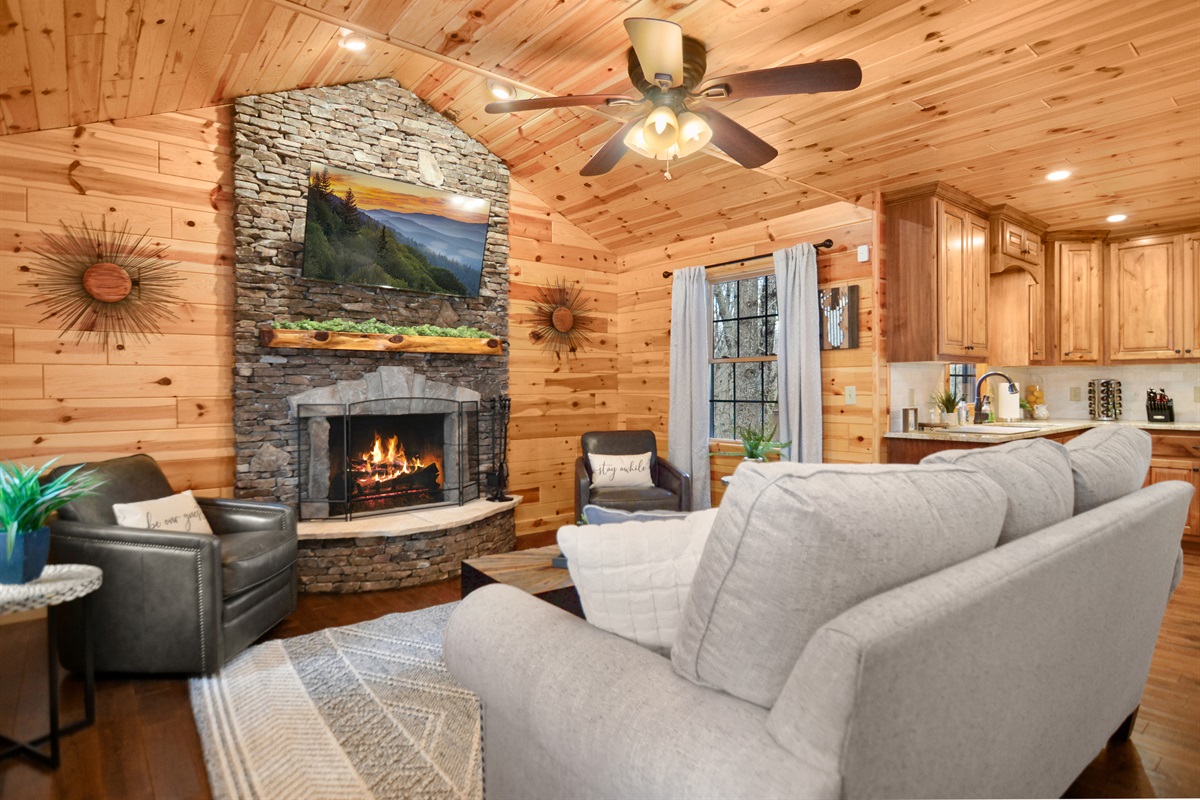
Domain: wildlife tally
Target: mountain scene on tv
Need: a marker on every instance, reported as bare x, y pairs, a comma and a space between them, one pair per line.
381, 232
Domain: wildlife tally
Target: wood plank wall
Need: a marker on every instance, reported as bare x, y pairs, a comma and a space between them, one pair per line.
555, 400
852, 434
169, 175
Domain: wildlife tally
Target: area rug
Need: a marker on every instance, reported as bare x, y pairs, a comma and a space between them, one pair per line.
362, 711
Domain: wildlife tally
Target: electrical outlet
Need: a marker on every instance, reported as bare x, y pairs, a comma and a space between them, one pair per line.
1076, 394
851, 395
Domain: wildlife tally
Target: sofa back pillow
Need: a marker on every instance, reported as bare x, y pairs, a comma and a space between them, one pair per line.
178, 512
795, 545
620, 471
1107, 463
1034, 473
633, 578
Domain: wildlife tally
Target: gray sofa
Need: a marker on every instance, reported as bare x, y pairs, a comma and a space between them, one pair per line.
1000, 675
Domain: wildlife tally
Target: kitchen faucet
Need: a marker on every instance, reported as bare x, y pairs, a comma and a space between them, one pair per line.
1012, 389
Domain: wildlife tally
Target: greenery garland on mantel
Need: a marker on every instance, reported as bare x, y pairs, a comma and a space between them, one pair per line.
340, 334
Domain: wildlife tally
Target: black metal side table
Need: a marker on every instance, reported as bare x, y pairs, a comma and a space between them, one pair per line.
58, 584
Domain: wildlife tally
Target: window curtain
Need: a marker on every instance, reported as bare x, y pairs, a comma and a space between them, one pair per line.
798, 347
687, 439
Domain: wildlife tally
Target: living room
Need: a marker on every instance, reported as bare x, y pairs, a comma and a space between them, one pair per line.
199, 126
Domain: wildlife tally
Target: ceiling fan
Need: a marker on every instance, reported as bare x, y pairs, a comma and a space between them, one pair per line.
668, 69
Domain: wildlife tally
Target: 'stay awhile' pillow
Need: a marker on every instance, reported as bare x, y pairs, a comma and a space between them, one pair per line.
620, 472
178, 512
633, 578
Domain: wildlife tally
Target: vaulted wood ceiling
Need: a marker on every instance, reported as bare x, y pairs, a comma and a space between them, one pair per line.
987, 95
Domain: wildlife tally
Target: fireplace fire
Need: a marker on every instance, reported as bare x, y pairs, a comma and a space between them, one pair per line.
389, 461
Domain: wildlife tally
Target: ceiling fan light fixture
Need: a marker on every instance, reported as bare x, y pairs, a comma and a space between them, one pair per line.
661, 130
694, 133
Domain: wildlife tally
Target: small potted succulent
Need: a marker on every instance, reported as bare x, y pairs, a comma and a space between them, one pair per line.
26, 504
757, 445
946, 401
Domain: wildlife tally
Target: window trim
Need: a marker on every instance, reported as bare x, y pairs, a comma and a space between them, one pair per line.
737, 273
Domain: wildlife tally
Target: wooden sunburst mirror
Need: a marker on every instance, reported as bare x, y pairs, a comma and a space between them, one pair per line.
562, 322
103, 282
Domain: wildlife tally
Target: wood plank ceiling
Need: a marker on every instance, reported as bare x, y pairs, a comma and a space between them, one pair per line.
986, 95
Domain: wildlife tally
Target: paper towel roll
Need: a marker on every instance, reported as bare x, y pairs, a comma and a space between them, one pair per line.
1008, 406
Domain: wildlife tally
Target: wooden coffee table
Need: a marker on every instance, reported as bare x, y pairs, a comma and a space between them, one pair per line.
529, 571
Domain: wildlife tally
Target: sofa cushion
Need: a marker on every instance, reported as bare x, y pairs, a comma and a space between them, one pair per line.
634, 499
250, 557
794, 545
633, 577
1034, 473
176, 512
1107, 463
599, 515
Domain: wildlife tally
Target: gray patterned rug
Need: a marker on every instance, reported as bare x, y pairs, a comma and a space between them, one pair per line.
363, 711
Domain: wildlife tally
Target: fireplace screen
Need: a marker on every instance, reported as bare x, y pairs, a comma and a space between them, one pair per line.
387, 455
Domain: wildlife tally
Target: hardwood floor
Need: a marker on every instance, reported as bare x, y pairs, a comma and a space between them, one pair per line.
144, 743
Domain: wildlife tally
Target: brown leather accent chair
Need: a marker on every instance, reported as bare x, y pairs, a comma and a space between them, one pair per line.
173, 602
672, 490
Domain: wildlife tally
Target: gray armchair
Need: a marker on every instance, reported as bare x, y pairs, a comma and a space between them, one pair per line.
672, 490
173, 602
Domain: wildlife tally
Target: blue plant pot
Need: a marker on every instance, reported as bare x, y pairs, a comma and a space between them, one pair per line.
29, 556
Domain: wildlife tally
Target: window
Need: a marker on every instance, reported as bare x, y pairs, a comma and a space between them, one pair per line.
962, 381
745, 380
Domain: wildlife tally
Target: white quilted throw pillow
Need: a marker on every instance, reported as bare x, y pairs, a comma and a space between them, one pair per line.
633, 578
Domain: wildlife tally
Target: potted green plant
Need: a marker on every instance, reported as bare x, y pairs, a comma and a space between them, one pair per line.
756, 445
26, 503
946, 401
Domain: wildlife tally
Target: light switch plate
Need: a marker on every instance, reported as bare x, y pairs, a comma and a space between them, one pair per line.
1076, 394
864, 253
851, 395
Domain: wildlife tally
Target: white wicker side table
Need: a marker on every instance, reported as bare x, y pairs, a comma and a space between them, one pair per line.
58, 584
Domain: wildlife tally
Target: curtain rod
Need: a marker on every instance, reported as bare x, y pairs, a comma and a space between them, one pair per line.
817, 246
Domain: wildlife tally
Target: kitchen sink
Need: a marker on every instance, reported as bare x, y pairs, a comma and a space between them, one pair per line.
994, 430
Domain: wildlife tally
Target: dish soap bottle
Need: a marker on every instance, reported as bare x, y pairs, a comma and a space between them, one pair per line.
985, 410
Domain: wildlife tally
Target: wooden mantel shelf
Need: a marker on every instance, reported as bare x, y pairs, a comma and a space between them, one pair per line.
378, 342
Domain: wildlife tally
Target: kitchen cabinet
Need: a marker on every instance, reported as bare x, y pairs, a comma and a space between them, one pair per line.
1017, 289
937, 240
1149, 288
1019, 242
1077, 267
1176, 457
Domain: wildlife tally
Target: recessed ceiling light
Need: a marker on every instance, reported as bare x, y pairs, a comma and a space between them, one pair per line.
1058, 175
352, 41
1117, 218
500, 91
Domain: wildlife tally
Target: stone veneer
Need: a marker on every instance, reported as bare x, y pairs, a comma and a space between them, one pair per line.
375, 127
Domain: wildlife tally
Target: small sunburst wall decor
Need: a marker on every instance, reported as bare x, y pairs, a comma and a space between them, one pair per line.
102, 282
563, 324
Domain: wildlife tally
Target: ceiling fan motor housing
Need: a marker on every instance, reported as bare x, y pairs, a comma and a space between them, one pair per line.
695, 62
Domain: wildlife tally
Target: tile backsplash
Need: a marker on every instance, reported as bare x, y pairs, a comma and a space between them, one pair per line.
1178, 380
911, 385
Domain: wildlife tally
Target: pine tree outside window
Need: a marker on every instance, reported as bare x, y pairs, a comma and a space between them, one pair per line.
744, 376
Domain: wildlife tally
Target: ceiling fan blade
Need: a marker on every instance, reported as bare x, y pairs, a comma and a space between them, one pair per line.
659, 48
610, 152
738, 143
536, 103
840, 75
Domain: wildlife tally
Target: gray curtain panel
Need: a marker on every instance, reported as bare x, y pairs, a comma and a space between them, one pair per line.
687, 440
798, 346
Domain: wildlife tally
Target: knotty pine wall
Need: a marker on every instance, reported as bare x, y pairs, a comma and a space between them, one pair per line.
168, 174
852, 434
555, 400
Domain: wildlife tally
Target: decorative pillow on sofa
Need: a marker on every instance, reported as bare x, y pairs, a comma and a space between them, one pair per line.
620, 472
795, 545
599, 515
178, 512
633, 577
1108, 463
1036, 475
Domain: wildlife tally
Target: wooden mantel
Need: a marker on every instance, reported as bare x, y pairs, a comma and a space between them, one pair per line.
378, 342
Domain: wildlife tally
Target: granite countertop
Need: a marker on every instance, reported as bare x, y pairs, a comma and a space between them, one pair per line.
1036, 428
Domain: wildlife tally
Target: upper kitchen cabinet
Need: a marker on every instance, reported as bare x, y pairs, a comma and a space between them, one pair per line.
1077, 272
937, 246
1151, 299
1017, 289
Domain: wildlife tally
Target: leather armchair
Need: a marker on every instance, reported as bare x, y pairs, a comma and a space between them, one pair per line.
173, 602
672, 490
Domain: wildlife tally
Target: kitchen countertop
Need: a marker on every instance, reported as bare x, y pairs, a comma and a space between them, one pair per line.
1036, 428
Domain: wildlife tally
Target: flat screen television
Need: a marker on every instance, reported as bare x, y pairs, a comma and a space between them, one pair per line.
372, 231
